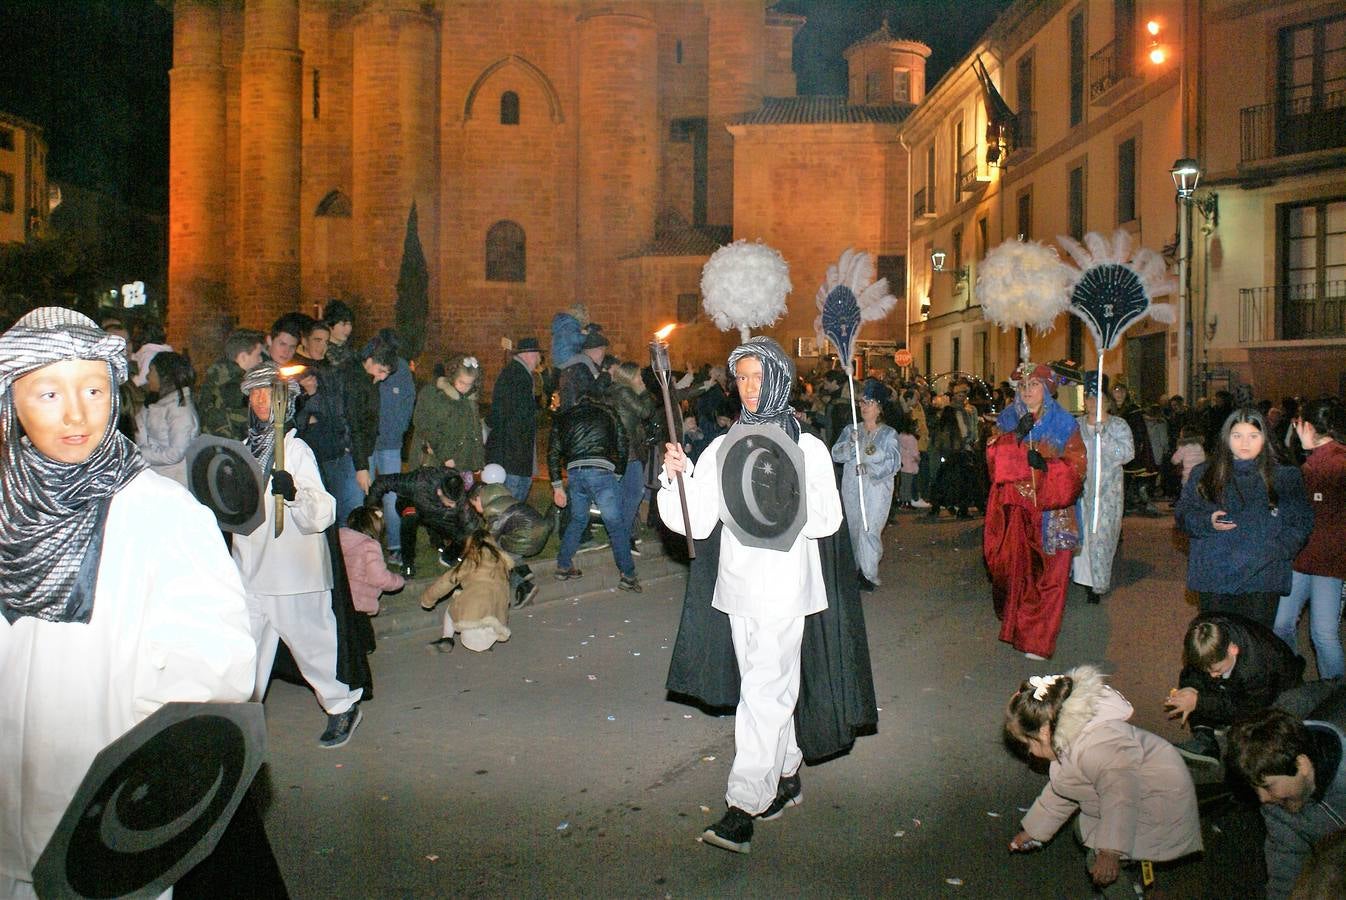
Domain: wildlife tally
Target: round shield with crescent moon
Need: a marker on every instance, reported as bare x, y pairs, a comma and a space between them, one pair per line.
154, 802
762, 486
226, 478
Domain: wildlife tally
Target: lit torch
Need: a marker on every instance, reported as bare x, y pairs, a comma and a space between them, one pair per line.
662, 371
280, 396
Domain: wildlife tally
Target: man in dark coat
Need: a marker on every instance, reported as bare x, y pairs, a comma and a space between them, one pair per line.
513, 419
1232, 668
580, 373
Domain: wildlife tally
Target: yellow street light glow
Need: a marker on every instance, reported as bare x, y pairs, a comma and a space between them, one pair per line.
1157, 55
1152, 27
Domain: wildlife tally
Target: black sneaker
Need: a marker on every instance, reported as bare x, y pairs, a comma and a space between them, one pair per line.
630, 583
443, 645
340, 728
395, 559
567, 574
732, 833
635, 548
789, 792
1202, 749
524, 594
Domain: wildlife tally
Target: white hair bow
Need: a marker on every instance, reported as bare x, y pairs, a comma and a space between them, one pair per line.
470, 362
1040, 684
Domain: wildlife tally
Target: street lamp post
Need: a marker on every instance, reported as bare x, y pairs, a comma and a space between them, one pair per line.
1186, 173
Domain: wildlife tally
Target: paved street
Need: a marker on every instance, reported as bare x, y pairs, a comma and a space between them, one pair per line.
553, 765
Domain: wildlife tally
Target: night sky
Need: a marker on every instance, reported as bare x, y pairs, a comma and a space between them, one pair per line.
94, 74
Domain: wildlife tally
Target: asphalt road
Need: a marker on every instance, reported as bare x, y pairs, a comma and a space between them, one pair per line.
554, 766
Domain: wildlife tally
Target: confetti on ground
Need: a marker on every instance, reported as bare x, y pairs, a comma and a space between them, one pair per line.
1022, 808
383, 797
627, 621
956, 882
635, 653
593, 677
563, 826
570, 657
433, 857
341, 765
705, 809
899, 834
584, 643
686, 715
708, 759
995, 815
612, 718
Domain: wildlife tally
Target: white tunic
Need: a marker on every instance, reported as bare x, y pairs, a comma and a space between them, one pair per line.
753, 582
297, 562
169, 623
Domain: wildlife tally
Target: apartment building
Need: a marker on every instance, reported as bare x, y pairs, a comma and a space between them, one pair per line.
23, 179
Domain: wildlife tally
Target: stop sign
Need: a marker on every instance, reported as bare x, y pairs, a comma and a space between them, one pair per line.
902, 357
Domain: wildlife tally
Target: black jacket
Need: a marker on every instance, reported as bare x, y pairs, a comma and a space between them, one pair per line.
588, 431
418, 488
360, 397
513, 420
1265, 668
635, 411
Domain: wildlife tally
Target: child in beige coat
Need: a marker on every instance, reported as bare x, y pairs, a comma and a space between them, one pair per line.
478, 593
1134, 794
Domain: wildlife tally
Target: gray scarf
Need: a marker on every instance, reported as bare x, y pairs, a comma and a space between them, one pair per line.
778, 375
52, 513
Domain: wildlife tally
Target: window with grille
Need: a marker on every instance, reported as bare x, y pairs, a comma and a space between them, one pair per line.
901, 85
1077, 68
1126, 181
505, 256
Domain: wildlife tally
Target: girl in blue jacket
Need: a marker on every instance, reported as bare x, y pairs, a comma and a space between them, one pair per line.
1247, 516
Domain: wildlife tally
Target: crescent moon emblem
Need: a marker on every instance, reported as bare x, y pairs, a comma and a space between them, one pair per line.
117, 836
749, 497
213, 482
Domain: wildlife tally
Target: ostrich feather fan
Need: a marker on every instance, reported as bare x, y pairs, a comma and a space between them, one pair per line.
1115, 286
848, 297
1022, 284
744, 285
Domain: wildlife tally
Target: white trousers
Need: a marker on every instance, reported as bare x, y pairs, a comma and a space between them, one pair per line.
764, 727
308, 626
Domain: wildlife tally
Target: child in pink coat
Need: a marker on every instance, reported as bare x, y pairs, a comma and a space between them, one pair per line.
362, 545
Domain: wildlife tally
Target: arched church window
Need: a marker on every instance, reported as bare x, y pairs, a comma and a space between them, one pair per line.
334, 204
509, 108
505, 252
677, 51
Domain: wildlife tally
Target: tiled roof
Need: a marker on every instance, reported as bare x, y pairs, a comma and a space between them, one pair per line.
686, 241
819, 110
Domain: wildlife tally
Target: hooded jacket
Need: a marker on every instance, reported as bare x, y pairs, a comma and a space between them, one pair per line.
450, 425
1132, 789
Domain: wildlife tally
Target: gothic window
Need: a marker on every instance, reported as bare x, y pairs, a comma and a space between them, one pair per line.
509, 108
335, 204
505, 259
677, 51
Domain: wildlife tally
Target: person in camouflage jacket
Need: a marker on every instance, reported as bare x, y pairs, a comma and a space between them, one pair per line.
220, 403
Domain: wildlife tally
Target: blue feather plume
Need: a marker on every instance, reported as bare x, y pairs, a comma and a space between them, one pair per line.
841, 322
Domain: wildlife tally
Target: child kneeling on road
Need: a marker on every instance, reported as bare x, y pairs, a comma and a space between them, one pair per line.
478, 592
362, 548
1135, 797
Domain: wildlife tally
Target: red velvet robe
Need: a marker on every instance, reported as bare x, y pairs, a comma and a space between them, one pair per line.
1028, 584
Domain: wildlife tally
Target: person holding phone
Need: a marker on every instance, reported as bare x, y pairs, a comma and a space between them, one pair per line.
1247, 515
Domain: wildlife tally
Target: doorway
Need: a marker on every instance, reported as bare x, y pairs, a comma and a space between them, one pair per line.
1147, 366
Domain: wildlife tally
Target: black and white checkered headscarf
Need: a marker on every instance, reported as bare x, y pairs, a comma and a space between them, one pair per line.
778, 375
52, 513
261, 439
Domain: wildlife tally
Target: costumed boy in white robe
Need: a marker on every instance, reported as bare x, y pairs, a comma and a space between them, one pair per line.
117, 593
288, 578
765, 593
880, 458
1093, 565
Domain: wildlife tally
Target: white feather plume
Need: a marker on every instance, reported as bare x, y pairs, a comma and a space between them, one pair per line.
1022, 284
856, 271
744, 285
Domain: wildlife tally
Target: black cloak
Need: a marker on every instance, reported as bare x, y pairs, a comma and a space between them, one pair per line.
836, 686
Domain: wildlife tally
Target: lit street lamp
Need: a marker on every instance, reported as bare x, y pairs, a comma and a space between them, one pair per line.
1186, 173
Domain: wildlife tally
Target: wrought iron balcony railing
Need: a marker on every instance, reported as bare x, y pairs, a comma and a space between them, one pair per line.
1289, 312
922, 204
973, 174
1302, 125
1108, 67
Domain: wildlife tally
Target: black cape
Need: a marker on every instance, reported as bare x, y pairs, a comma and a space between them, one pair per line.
836, 686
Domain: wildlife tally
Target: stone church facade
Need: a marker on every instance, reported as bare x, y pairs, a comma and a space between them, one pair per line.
556, 151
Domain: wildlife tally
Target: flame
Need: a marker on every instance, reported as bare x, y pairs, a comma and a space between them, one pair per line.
288, 372
664, 332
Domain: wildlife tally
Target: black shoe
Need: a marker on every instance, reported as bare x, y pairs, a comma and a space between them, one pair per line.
733, 832
525, 572
567, 574
789, 792
865, 584
630, 583
1202, 749
340, 728
395, 558
443, 645
635, 548
1094, 596
524, 594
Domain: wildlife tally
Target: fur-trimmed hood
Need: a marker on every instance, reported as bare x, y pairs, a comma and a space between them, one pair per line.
445, 384
1091, 698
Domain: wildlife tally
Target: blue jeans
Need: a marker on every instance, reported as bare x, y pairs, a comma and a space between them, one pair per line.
1323, 594
589, 487
338, 476
633, 491
389, 462
518, 486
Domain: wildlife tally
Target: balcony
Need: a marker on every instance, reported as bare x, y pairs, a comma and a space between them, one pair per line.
1302, 125
973, 176
1292, 312
1111, 74
923, 205
1024, 139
